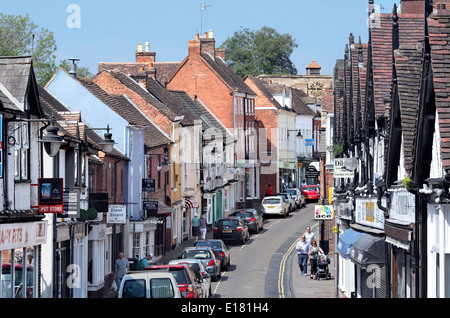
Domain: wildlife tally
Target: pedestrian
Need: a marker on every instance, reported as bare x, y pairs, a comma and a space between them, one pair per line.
270, 190
122, 266
195, 226
303, 248
304, 184
309, 235
203, 226
147, 260
314, 256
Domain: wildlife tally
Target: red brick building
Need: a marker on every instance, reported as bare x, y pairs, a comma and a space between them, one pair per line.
204, 76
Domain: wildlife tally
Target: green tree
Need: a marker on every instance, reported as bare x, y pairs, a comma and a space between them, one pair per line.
20, 36
263, 51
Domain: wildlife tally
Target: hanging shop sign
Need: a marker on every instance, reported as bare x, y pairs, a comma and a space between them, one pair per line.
148, 185
117, 214
51, 196
99, 201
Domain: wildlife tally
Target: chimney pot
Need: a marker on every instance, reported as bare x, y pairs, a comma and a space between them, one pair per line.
205, 35
197, 36
211, 36
147, 46
139, 47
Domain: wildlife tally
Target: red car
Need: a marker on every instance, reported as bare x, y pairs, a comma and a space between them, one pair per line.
185, 277
310, 192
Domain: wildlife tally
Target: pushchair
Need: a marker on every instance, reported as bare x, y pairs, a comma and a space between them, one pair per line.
322, 267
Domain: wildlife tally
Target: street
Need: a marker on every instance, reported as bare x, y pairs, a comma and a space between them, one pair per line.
262, 268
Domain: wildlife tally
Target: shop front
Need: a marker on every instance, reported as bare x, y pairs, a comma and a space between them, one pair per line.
20, 245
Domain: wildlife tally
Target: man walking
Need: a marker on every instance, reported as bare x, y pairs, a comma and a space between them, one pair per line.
303, 248
122, 266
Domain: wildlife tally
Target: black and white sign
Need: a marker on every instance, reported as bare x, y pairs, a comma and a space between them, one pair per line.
148, 185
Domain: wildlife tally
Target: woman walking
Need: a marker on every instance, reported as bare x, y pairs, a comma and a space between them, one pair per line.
314, 256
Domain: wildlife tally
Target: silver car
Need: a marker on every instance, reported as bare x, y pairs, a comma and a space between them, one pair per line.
291, 201
298, 196
209, 258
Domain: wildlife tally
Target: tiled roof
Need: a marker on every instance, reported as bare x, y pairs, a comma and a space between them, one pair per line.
298, 105
230, 78
127, 110
261, 85
164, 70
314, 64
439, 32
131, 84
411, 32
15, 75
165, 97
408, 62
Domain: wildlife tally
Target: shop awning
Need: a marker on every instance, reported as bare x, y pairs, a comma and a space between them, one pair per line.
368, 249
346, 241
190, 203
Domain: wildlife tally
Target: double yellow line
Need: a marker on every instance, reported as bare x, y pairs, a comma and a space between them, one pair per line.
283, 265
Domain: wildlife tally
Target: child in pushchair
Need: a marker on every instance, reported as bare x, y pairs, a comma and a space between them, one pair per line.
322, 267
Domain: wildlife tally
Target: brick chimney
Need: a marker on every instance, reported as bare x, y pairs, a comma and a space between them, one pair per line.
208, 44
145, 56
194, 46
411, 6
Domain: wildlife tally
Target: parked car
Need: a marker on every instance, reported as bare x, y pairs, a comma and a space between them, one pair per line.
146, 284
209, 258
220, 248
298, 196
290, 199
252, 218
275, 205
310, 192
200, 272
231, 229
185, 277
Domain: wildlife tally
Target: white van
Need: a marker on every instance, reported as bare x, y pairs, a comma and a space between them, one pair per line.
149, 284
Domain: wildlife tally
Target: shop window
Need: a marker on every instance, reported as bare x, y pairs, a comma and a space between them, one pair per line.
18, 266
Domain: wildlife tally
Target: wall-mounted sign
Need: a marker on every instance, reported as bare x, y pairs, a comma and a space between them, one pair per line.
51, 196
309, 142
18, 235
368, 213
148, 185
151, 207
324, 212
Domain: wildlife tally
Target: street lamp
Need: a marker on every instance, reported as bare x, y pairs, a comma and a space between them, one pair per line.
52, 142
107, 143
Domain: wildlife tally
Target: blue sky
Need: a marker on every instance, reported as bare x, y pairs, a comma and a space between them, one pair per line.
110, 30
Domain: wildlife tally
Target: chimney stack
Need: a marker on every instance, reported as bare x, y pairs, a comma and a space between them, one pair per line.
208, 44
145, 56
194, 46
